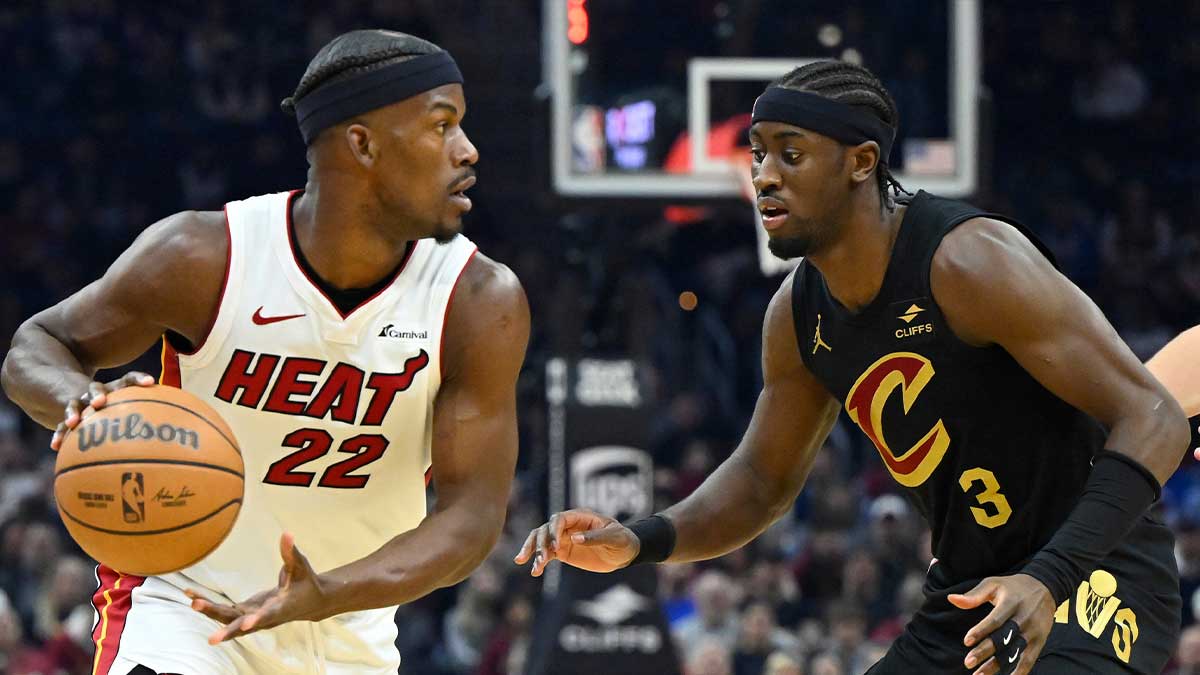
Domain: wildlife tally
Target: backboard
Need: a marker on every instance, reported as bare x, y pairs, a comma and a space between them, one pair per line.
661, 120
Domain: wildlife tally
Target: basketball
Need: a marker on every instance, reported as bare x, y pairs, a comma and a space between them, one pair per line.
150, 483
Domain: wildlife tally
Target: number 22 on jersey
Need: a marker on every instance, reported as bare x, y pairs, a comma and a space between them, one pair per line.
315, 443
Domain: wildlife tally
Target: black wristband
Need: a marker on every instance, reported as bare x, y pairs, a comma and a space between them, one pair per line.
1118, 493
657, 537
1133, 464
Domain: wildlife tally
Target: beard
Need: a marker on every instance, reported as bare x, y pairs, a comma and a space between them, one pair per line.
444, 233
811, 235
787, 248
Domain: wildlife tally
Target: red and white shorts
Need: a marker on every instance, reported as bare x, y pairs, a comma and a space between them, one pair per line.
148, 621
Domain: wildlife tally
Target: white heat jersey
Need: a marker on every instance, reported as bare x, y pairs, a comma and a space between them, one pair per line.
333, 412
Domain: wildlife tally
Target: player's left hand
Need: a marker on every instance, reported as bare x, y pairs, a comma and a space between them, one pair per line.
1019, 598
299, 597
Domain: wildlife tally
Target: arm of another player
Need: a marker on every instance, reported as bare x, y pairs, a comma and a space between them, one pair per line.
995, 287
113, 320
474, 454
1177, 366
745, 494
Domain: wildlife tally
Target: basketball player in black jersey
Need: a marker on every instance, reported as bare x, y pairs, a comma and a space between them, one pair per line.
1017, 422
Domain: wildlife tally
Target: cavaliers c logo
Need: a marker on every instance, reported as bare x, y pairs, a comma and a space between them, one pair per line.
910, 372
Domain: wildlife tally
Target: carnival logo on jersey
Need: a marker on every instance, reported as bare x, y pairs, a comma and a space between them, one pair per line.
910, 373
390, 331
247, 375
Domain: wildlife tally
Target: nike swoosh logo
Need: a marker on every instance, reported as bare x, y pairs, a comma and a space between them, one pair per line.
1008, 637
261, 320
1014, 656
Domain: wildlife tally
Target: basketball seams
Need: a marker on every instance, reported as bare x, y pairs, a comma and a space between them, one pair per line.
168, 530
202, 418
149, 460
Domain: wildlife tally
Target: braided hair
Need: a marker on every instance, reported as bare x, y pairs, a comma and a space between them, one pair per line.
853, 85
353, 53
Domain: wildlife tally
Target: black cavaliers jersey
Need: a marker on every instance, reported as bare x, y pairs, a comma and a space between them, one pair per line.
991, 458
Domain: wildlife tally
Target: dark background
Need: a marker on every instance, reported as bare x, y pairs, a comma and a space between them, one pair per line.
115, 114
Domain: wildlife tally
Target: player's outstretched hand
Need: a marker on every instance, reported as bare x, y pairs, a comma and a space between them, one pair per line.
80, 407
1018, 599
581, 539
297, 598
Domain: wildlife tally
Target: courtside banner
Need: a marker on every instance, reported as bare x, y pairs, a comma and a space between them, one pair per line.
599, 624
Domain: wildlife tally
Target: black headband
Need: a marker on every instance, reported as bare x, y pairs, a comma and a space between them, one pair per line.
339, 101
841, 122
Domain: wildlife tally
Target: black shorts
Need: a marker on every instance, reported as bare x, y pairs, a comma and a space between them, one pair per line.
1124, 619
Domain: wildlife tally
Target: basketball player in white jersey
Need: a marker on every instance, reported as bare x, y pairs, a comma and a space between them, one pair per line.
358, 346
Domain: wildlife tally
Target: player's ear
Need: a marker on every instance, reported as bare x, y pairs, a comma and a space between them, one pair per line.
863, 158
363, 146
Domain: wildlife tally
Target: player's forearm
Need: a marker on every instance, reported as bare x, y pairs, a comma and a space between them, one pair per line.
442, 551
1125, 481
40, 374
733, 506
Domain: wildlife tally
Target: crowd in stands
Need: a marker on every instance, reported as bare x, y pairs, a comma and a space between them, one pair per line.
117, 114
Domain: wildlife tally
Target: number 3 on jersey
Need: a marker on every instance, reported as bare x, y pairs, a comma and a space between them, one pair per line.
991, 496
315, 443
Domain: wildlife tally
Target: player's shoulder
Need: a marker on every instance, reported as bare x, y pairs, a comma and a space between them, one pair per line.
489, 283
779, 320
780, 306
987, 276
487, 321
983, 250
185, 238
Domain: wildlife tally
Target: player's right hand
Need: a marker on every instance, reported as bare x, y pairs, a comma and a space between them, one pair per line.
582, 539
80, 407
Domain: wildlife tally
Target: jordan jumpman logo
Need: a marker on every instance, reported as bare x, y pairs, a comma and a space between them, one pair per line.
817, 341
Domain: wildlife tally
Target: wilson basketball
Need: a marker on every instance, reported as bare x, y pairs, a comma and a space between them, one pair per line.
150, 483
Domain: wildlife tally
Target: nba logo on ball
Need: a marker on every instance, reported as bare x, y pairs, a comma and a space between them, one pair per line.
133, 500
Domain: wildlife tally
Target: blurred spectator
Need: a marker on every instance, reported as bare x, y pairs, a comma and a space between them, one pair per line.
1112, 89
709, 657
848, 633
1189, 652
716, 618
68, 588
780, 663
125, 112
1187, 554
505, 653
473, 617
771, 582
827, 663
758, 639
862, 586
909, 600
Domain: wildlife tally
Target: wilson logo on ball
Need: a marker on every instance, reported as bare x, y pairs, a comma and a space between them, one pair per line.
134, 427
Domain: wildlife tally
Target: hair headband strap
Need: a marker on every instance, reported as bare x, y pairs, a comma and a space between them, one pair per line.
333, 103
839, 121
